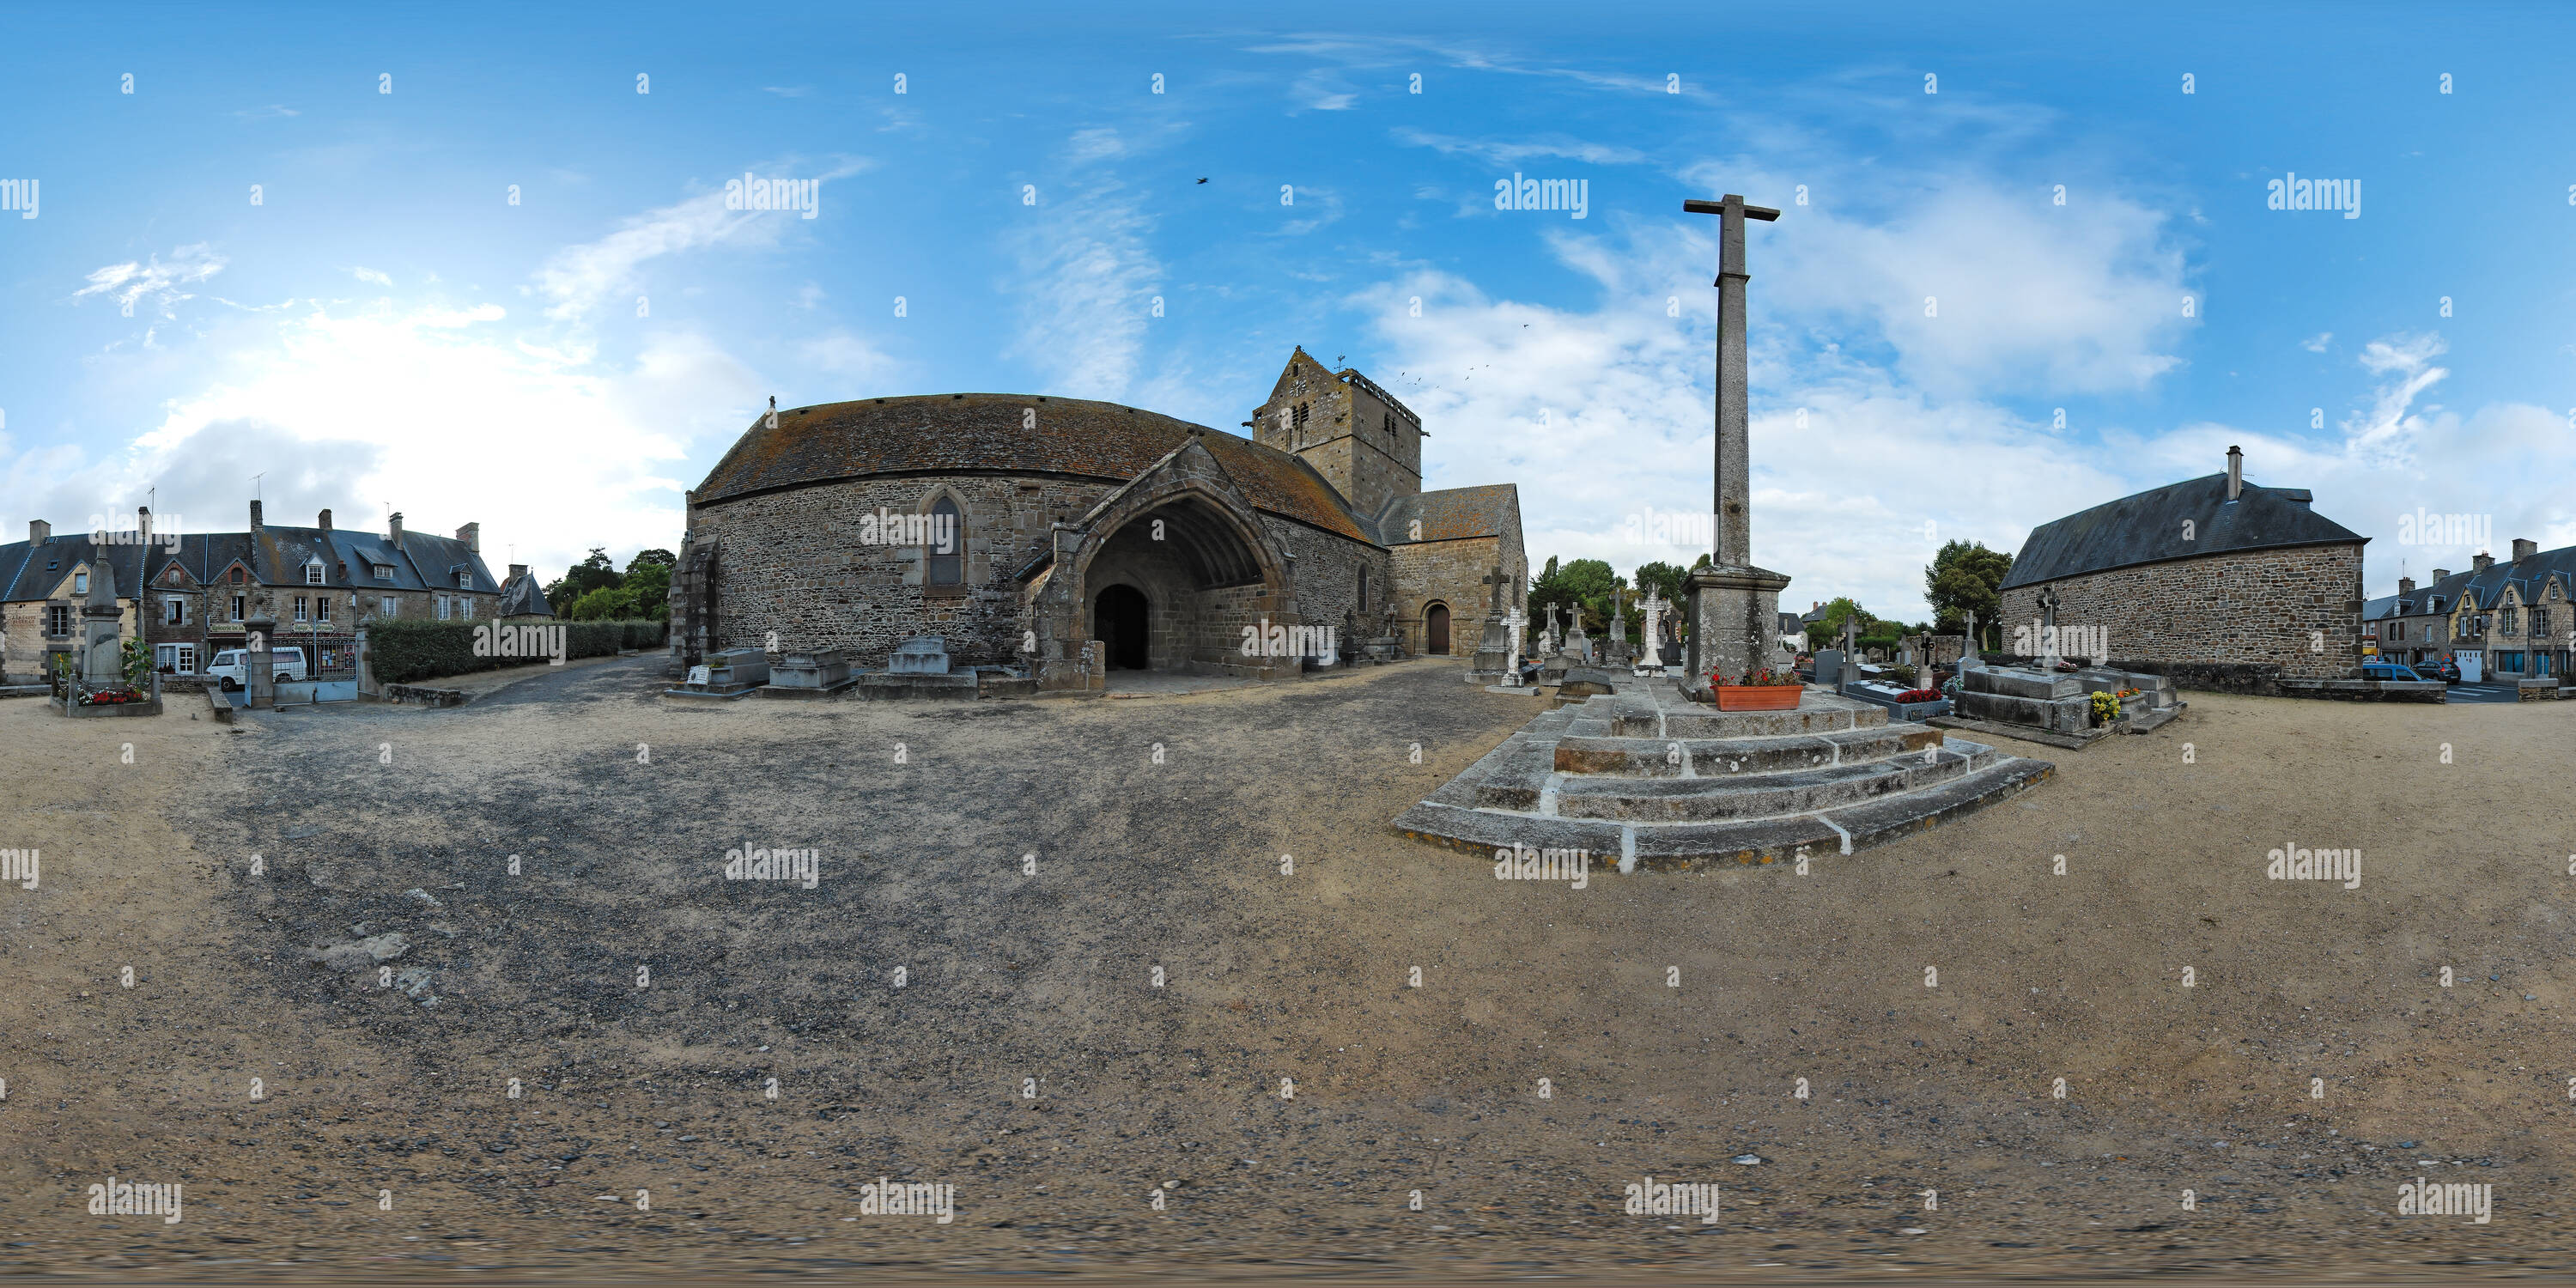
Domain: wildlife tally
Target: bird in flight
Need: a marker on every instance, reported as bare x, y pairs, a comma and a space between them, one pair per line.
1203, 181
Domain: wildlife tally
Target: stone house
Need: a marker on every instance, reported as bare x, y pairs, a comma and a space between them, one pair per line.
2217, 582
1027, 529
2515, 620
188, 594
2414, 625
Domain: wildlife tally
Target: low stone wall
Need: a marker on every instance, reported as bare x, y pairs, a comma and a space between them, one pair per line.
2262, 679
425, 696
2368, 690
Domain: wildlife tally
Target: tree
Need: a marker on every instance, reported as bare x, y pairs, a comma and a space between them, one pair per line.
648, 589
1585, 585
1963, 579
1827, 631
582, 578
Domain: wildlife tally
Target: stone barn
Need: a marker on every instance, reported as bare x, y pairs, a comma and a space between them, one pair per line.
2217, 582
1073, 538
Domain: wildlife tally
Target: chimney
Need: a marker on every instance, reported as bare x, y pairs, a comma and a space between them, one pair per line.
39, 532
254, 518
2235, 472
2483, 561
472, 535
517, 571
2524, 548
143, 524
2406, 587
393, 526
325, 524
2440, 573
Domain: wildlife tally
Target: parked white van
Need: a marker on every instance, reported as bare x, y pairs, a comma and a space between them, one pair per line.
232, 666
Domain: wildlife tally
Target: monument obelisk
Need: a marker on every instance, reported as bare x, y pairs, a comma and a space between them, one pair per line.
1734, 606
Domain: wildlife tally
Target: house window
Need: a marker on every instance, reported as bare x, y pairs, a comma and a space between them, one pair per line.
464, 578
171, 576
947, 560
2505, 619
58, 619
239, 576
313, 573
322, 608
2539, 622
2397, 631
80, 583
237, 605
179, 659
442, 608
300, 605
385, 606
174, 611
383, 572
465, 607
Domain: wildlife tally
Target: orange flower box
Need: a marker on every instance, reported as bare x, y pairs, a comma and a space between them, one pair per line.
1758, 697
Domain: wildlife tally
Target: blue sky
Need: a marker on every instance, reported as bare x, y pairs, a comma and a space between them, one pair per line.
383, 329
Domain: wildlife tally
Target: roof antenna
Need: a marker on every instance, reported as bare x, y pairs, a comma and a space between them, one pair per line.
254, 484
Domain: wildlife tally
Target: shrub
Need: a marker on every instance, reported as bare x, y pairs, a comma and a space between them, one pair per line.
407, 652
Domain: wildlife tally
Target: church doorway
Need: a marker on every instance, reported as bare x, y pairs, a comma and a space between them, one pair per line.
1436, 618
1118, 622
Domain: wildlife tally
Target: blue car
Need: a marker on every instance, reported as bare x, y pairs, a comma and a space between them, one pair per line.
2388, 671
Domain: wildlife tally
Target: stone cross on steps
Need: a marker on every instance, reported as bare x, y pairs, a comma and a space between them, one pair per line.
1734, 604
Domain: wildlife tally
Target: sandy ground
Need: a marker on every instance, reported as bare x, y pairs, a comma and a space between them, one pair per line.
1672, 1016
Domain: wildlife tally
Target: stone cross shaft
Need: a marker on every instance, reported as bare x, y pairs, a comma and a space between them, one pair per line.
1734, 522
2048, 602
1653, 606
1518, 621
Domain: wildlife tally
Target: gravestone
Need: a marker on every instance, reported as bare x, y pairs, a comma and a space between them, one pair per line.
1493, 649
1829, 666
809, 673
1653, 606
920, 655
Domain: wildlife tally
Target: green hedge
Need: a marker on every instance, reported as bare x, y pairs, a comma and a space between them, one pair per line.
408, 652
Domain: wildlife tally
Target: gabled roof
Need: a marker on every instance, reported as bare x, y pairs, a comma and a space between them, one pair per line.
275, 556
2385, 606
1451, 514
969, 433
2486, 587
524, 598
2150, 528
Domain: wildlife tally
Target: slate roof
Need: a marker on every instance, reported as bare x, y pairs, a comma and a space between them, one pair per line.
963, 433
2487, 587
2383, 607
1451, 514
276, 557
2148, 528
524, 598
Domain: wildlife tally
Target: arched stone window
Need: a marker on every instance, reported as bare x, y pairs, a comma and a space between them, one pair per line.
944, 550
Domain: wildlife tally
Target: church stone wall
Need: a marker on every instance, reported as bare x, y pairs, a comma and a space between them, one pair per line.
1326, 582
792, 562
2219, 619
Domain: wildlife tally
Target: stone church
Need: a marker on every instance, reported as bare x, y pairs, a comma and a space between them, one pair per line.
1073, 538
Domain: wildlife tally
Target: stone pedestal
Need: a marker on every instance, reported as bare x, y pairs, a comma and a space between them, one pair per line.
259, 646
1734, 614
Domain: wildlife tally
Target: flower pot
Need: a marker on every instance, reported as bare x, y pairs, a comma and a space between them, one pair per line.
1762, 697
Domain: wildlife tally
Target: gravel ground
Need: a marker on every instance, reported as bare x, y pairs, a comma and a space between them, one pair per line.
1672, 1017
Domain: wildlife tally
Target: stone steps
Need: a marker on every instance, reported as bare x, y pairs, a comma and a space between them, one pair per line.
1771, 795
1681, 846
1718, 757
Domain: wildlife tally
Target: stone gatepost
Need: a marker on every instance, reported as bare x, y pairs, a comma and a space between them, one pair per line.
259, 639
365, 663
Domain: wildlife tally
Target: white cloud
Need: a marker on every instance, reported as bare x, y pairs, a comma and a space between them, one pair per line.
131, 283
848, 355
2317, 343
371, 275
1498, 152
1086, 275
580, 278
